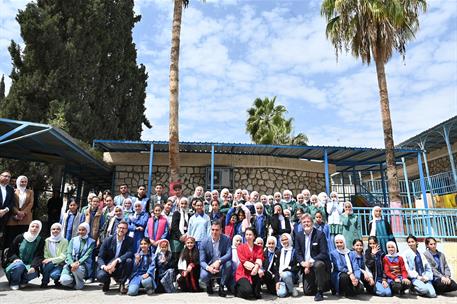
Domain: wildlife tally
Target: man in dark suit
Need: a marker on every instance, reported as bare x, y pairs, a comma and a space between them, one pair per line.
215, 259
6, 203
312, 255
115, 258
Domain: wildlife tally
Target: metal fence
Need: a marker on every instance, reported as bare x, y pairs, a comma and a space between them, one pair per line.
439, 223
442, 183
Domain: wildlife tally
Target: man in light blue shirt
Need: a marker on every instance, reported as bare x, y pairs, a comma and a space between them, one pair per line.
200, 223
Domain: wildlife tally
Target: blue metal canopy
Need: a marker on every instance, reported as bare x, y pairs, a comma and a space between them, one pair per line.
342, 157
44, 143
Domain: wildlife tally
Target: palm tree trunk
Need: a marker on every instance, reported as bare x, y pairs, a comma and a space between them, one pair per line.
173, 132
392, 178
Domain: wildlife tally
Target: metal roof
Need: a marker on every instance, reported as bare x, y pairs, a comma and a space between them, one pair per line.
433, 138
343, 157
44, 143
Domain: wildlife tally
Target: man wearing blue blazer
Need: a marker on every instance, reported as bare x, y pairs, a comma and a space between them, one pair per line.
215, 259
115, 258
312, 255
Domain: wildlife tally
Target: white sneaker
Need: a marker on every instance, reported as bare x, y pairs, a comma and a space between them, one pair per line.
295, 292
14, 287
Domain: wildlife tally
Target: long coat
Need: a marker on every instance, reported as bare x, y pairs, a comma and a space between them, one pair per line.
27, 208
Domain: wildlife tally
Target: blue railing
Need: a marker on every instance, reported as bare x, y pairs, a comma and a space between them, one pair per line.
439, 223
442, 183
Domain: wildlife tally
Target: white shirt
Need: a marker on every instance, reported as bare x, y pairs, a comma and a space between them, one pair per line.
3, 189
308, 244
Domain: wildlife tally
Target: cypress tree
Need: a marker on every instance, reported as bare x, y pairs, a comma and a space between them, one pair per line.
78, 69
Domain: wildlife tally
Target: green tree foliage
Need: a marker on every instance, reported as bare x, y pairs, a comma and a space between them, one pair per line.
2, 88
78, 69
266, 124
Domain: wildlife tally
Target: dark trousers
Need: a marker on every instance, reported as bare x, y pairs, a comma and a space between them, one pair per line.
441, 288
398, 287
347, 288
316, 280
270, 282
121, 274
246, 290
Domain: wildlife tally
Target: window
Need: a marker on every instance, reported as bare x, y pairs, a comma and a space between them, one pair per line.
223, 178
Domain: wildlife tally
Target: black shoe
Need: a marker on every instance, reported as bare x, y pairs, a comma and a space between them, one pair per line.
122, 288
57, 284
209, 288
319, 296
106, 286
222, 292
43, 286
258, 296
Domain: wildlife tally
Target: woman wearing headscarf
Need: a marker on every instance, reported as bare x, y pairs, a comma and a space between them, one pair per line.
137, 224
260, 221
395, 270
271, 265
315, 206
279, 223
334, 210
110, 226
350, 224
346, 272
380, 228
287, 267
179, 225
127, 208
24, 257
21, 215
419, 270
55, 250
78, 263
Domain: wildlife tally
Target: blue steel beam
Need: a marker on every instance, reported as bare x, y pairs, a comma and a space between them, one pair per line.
446, 131
327, 182
424, 191
405, 175
212, 168
151, 160
14, 131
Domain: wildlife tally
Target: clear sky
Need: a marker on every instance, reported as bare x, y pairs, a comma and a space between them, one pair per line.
233, 51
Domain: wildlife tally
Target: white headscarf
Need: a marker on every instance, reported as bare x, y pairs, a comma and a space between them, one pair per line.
29, 236
54, 240
271, 238
18, 183
256, 212
395, 254
87, 227
184, 218
22, 190
373, 222
349, 203
235, 258
286, 254
344, 251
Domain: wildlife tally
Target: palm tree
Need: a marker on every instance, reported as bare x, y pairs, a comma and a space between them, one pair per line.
266, 124
374, 29
173, 132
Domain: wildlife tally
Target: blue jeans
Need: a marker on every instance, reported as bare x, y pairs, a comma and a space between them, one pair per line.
224, 274
17, 274
50, 271
424, 289
288, 286
137, 282
381, 291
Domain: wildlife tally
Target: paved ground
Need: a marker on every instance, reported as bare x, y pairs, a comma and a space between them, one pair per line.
93, 294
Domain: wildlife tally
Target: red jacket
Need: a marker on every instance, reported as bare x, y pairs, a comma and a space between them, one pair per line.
245, 254
394, 270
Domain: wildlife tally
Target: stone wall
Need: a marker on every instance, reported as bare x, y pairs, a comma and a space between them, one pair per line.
264, 180
441, 164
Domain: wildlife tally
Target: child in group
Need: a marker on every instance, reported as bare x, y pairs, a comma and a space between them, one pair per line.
287, 267
395, 270
320, 225
55, 250
271, 265
143, 274
165, 273
374, 261
189, 267
419, 270
366, 276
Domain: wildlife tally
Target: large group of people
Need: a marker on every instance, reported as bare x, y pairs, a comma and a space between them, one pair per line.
245, 242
